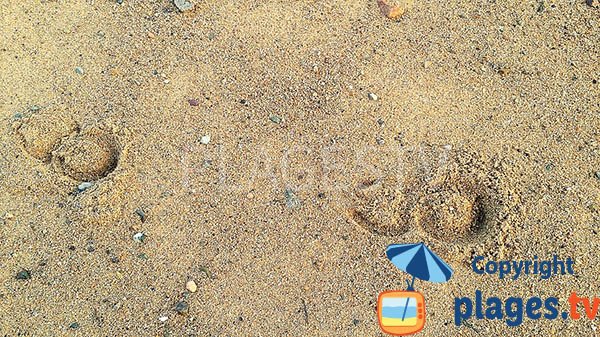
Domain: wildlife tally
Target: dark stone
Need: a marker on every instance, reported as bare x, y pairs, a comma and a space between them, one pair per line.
23, 275
140, 212
181, 307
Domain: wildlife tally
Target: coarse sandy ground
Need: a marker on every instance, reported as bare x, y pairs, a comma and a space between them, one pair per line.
484, 139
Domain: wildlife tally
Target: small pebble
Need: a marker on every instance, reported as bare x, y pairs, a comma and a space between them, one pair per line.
205, 139
139, 237
24, 275
84, 186
394, 11
151, 35
291, 200
163, 318
275, 119
191, 286
205, 271
193, 102
74, 325
79, 70
373, 97
181, 307
140, 212
540, 7
183, 5
597, 174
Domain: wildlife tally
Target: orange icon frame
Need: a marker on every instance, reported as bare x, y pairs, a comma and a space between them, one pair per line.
402, 330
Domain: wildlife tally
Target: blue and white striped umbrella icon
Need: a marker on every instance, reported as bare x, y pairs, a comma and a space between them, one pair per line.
420, 262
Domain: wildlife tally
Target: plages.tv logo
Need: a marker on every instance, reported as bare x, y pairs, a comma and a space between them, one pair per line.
402, 312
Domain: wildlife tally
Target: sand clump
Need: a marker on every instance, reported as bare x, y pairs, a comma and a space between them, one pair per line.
381, 208
57, 139
90, 155
41, 133
437, 194
450, 212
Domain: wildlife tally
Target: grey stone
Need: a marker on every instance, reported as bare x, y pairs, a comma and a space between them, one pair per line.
183, 5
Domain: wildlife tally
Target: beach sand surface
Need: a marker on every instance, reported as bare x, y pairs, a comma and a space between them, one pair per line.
270, 151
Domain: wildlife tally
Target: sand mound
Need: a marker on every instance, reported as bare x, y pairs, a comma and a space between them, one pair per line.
88, 156
41, 133
450, 212
381, 208
437, 193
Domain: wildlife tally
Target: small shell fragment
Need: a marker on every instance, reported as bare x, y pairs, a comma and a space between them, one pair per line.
394, 12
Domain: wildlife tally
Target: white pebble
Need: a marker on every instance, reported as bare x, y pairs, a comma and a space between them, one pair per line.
139, 237
373, 97
183, 5
191, 286
163, 318
205, 139
84, 186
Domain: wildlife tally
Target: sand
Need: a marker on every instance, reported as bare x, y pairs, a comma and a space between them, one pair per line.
484, 139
